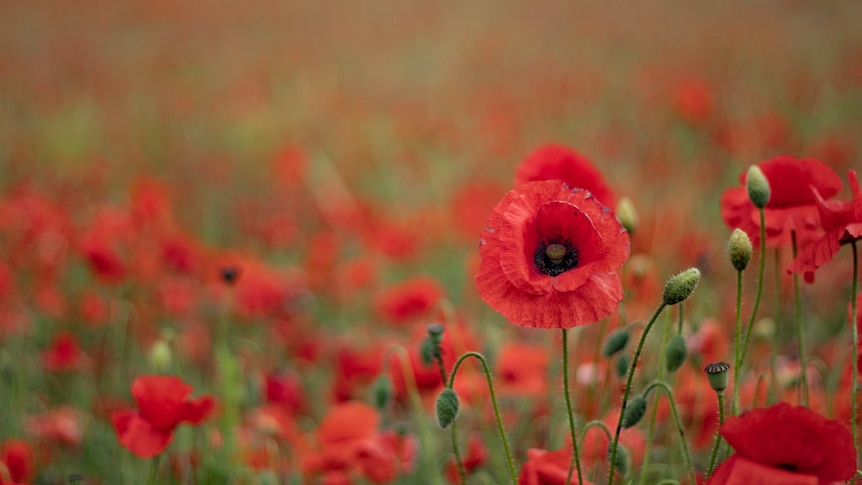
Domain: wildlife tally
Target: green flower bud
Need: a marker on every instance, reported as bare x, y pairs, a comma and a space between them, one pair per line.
435, 331
681, 286
627, 215
635, 410
717, 374
159, 356
447, 407
615, 342
757, 186
622, 459
381, 391
428, 351
739, 248
622, 365
675, 353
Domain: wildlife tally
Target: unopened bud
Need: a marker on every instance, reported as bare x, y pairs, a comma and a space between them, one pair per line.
635, 410
447, 407
675, 353
627, 214
381, 391
615, 342
757, 186
717, 374
681, 286
622, 365
435, 332
739, 248
621, 460
159, 356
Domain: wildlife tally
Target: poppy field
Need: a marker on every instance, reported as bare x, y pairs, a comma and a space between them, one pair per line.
354, 243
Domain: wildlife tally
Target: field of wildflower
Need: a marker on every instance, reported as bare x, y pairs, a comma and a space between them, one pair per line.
353, 243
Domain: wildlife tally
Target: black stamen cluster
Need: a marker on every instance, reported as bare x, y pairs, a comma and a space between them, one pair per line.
545, 265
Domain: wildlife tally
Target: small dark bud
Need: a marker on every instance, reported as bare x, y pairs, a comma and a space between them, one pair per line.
381, 391
435, 332
681, 286
230, 274
615, 342
622, 365
428, 351
717, 374
447, 407
675, 353
635, 411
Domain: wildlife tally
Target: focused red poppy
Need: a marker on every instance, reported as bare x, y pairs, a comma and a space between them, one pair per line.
842, 223
786, 444
791, 206
162, 405
550, 255
558, 162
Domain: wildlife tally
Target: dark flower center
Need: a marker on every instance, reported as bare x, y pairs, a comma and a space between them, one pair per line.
791, 468
555, 258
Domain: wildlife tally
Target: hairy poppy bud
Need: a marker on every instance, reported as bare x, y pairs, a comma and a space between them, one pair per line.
717, 374
381, 391
757, 186
159, 356
428, 351
447, 407
622, 365
635, 411
627, 215
675, 353
615, 342
621, 460
681, 286
739, 248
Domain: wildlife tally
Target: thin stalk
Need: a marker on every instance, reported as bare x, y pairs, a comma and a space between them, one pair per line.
154, 470
799, 335
738, 350
853, 346
596, 423
772, 397
503, 438
676, 419
715, 446
632, 367
576, 459
762, 265
462, 472
660, 377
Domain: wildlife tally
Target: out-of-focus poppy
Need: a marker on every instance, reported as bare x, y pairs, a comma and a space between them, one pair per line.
550, 255
558, 162
63, 355
548, 468
408, 300
17, 457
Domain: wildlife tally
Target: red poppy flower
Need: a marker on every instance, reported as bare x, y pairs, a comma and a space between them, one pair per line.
549, 256
17, 457
791, 204
63, 355
162, 405
558, 162
842, 222
548, 468
786, 444
408, 300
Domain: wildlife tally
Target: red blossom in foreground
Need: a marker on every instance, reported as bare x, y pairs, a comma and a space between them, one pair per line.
558, 162
550, 255
791, 206
842, 223
17, 457
162, 405
548, 468
786, 444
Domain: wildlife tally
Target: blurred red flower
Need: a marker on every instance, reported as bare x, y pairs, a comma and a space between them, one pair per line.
842, 222
17, 457
475, 457
548, 468
162, 405
786, 444
558, 162
549, 256
791, 204
408, 300
63, 355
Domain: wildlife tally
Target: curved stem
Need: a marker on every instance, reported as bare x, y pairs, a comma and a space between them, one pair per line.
761, 265
503, 438
854, 345
632, 367
576, 459
595, 424
675, 412
737, 350
799, 334
709, 470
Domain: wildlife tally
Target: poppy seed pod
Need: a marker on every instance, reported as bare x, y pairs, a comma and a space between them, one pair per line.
757, 187
739, 249
615, 342
635, 411
681, 286
717, 374
447, 407
675, 353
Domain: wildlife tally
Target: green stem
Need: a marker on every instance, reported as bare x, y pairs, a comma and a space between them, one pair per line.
462, 472
576, 459
799, 335
632, 367
761, 265
772, 396
154, 470
737, 350
675, 412
660, 377
715, 446
596, 423
503, 438
853, 345
681, 318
